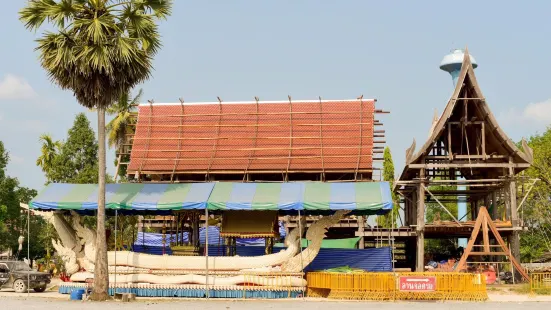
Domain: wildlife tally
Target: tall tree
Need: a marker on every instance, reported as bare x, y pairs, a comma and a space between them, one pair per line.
118, 127
100, 50
536, 211
389, 220
48, 152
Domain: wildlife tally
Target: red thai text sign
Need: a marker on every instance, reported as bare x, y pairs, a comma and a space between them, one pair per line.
417, 284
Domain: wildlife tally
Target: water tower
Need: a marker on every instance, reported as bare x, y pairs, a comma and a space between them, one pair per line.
452, 63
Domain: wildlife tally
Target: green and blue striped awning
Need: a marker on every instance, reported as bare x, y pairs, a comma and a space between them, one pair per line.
308, 196
127, 196
359, 197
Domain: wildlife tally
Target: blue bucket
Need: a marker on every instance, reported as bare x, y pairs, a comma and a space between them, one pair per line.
77, 294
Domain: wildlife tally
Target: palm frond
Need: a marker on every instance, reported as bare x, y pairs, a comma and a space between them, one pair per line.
102, 49
58, 13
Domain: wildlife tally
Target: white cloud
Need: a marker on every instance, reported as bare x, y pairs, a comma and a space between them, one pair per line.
539, 112
16, 159
13, 87
532, 114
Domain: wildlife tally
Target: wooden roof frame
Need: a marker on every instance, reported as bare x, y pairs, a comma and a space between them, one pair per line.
521, 159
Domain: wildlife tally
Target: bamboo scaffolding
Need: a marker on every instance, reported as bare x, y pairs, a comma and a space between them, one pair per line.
256, 158
361, 140
180, 133
257, 114
254, 125
290, 136
259, 149
255, 141
249, 137
240, 171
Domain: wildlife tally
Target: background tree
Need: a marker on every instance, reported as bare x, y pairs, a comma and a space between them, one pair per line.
48, 152
119, 127
390, 220
13, 219
77, 162
536, 211
100, 50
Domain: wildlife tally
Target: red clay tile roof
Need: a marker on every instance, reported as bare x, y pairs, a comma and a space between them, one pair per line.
267, 137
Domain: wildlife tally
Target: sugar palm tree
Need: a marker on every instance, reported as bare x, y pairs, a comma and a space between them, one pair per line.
48, 151
99, 50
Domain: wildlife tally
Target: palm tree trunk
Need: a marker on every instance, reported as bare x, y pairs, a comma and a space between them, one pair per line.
101, 273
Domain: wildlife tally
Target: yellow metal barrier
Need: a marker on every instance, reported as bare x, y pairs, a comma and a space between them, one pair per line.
540, 281
398, 286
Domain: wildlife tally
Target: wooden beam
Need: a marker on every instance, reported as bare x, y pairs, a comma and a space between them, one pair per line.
441, 205
471, 165
443, 157
486, 238
484, 220
488, 253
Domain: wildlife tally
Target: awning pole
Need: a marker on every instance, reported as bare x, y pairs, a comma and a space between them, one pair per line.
207, 251
116, 227
28, 247
300, 245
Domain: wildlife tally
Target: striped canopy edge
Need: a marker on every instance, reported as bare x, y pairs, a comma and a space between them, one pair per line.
310, 197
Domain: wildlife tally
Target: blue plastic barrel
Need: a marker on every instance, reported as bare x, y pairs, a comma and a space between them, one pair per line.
77, 294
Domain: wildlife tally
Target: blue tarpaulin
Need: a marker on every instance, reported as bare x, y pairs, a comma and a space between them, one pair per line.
378, 259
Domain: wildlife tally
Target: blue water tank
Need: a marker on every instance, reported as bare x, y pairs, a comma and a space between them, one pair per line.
452, 63
77, 294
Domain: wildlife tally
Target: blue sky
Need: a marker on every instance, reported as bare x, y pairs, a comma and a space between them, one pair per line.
389, 50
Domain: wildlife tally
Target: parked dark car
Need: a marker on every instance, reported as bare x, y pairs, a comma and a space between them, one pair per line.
20, 276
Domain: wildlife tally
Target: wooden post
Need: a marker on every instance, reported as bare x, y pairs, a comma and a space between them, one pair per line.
420, 228
413, 208
406, 212
473, 213
494, 206
515, 238
507, 200
361, 229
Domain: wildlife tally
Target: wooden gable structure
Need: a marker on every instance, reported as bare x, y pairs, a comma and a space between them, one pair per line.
466, 147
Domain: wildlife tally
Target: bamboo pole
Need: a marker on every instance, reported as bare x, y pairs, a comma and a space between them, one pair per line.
350, 112
207, 252
256, 158
252, 137
252, 125
260, 149
240, 171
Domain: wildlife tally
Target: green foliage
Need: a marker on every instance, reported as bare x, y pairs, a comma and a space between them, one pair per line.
119, 127
13, 222
390, 220
49, 150
100, 49
536, 211
433, 208
77, 160
122, 109
3, 216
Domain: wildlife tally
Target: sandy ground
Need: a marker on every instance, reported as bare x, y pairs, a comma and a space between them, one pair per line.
499, 300
41, 303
